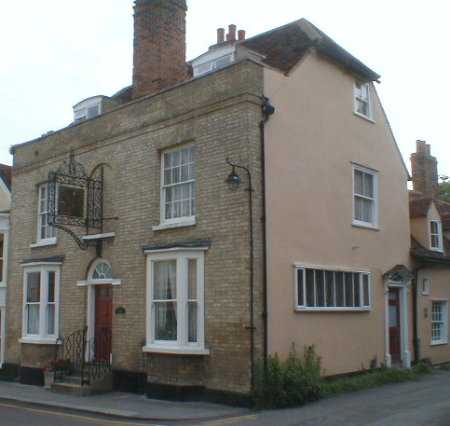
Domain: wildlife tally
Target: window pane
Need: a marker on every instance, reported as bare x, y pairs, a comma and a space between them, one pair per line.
359, 182
329, 281
164, 279
51, 287
33, 287
165, 321
368, 185
33, 319
300, 301
320, 289
340, 300
310, 287
192, 313
362, 107
348, 289
356, 290
51, 319
366, 295
192, 279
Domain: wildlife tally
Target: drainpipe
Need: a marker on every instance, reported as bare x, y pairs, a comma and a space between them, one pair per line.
267, 110
416, 338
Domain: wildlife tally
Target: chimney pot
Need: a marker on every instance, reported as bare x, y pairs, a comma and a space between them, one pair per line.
241, 35
232, 32
220, 35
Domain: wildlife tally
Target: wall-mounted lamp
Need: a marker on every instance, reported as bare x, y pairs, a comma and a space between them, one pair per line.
233, 179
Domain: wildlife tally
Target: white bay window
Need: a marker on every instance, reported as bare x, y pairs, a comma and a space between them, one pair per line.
175, 306
40, 304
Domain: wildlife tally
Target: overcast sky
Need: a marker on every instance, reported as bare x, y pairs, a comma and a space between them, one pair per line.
55, 53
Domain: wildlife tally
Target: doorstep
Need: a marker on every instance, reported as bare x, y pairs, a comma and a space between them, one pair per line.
118, 404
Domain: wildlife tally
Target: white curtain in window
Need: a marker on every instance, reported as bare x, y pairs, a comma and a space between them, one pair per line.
165, 304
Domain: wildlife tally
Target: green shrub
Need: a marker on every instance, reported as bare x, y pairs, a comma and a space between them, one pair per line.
288, 383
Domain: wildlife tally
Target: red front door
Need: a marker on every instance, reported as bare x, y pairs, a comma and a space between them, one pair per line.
103, 323
394, 324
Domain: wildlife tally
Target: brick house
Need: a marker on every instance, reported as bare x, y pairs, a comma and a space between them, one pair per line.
181, 230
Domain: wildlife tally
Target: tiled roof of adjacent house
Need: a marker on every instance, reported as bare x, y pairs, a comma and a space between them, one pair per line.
5, 174
421, 253
284, 47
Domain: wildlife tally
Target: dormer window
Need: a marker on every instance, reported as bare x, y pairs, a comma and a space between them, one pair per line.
87, 109
363, 105
213, 65
436, 235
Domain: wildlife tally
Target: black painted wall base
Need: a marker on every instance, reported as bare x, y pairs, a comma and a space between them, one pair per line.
31, 376
129, 381
9, 372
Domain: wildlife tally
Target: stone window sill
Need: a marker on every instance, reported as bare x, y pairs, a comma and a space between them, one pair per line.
183, 223
39, 341
174, 350
44, 243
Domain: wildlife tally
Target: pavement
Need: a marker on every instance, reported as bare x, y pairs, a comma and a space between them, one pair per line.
117, 405
425, 402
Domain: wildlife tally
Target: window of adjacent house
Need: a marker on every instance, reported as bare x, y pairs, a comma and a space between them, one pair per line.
176, 300
86, 112
362, 99
365, 197
332, 290
435, 235
45, 231
41, 286
178, 184
439, 322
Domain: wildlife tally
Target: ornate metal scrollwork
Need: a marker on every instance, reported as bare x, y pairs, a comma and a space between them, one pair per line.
76, 199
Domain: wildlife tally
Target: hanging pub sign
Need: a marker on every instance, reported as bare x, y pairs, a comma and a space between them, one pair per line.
76, 199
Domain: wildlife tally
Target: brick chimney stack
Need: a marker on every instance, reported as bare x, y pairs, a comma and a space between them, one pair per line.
424, 170
159, 45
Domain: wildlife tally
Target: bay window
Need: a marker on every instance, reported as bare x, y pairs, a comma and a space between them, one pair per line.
175, 306
40, 304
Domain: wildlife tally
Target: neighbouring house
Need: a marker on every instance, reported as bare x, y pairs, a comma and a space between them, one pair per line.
430, 250
5, 206
210, 214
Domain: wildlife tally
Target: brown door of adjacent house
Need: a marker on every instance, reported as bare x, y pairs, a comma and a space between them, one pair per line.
394, 324
103, 323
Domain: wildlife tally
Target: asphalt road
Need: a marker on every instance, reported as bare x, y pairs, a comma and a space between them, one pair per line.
421, 403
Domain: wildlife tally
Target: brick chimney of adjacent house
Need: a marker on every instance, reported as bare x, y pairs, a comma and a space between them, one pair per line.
159, 45
424, 170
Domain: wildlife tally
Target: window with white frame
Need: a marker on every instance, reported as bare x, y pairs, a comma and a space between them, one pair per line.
175, 301
439, 322
436, 235
41, 303
178, 185
328, 289
365, 197
362, 99
45, 232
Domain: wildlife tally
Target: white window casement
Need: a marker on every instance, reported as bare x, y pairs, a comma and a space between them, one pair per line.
87, 109
175, 302
439, 322
365, 197
177, 188
41, 304
46, 234
362, 100
323, 289
436, 242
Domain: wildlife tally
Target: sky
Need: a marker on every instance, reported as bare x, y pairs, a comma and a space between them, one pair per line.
55, 53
